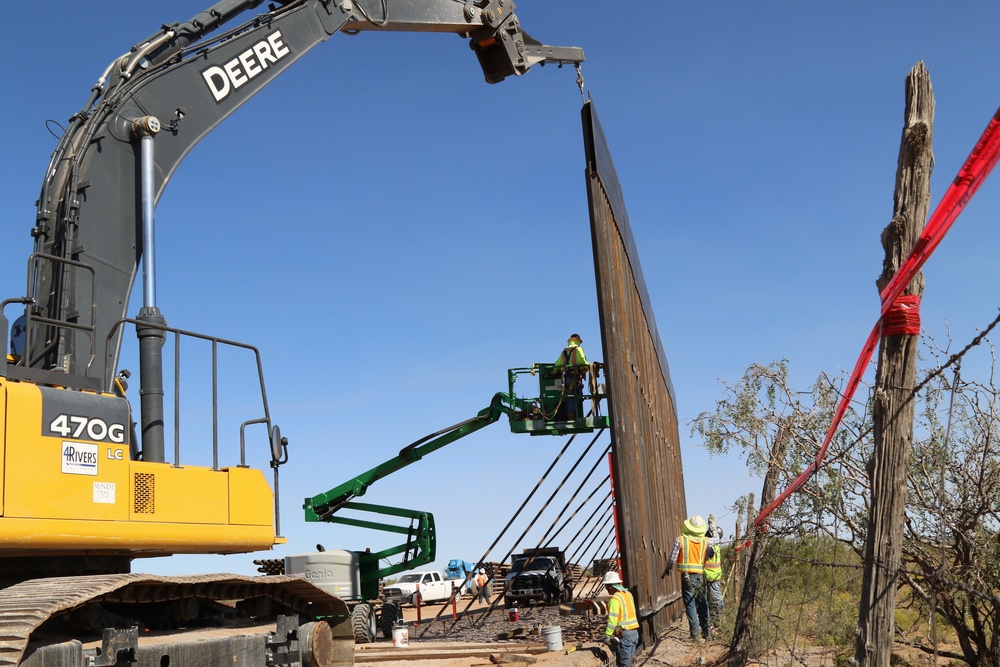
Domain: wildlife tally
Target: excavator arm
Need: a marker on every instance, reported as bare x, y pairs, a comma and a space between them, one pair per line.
168, 92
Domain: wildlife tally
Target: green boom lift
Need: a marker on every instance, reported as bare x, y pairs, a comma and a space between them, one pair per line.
537, 415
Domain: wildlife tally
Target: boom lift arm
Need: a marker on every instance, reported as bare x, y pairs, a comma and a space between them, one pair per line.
420, 546
323, 506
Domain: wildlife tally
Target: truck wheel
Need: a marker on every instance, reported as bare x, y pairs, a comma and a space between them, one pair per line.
364, 624
390, 614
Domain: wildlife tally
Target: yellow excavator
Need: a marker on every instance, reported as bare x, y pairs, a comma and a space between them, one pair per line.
86, 487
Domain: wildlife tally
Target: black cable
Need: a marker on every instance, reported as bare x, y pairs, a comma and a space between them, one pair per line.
558, 488
577, 493
517, 513
596, 533
590, 519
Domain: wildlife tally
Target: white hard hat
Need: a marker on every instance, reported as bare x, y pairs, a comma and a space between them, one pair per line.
482, 571
611, 578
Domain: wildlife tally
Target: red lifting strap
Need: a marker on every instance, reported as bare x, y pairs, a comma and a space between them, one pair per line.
977, 167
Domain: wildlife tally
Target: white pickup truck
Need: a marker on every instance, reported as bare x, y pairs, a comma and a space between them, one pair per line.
433, 588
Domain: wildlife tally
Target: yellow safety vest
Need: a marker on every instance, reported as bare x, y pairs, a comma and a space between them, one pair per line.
691, 557
713, 565
621, 613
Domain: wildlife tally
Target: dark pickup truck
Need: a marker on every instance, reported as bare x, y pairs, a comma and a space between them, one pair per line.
538, 576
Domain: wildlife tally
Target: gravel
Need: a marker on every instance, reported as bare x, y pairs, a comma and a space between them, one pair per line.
479, 626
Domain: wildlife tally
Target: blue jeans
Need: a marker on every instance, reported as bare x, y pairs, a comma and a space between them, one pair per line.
715, 602
626, 647
696, 603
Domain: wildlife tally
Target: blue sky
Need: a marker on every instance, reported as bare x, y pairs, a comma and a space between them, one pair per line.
393, 233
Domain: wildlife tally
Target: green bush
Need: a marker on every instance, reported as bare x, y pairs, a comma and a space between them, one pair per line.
808, 594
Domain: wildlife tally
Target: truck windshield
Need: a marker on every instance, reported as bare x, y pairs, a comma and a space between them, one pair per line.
539, 563
410, 579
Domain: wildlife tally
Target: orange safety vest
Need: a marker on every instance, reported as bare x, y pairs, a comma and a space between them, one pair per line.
691, 557
621, 613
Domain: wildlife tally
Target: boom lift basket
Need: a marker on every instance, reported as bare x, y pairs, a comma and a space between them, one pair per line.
546, 414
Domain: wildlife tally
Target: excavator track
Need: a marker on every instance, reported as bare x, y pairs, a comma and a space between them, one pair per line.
26, 606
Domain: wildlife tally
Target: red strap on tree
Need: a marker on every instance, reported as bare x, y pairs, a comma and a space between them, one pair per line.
903, 317
977, 167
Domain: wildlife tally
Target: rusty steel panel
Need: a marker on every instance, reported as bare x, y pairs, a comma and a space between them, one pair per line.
646, 459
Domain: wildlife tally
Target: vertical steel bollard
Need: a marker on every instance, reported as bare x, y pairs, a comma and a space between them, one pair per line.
419, 600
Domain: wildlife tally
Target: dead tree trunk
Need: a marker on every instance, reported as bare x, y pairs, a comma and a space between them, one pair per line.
894, 383
739, 649
741, 556
737, 577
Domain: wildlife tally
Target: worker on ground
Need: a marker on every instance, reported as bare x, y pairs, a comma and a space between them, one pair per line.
482, 586
689, 554
573, 365
713, 571
622, 631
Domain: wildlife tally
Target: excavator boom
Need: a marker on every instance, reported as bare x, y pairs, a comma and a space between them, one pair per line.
177, 85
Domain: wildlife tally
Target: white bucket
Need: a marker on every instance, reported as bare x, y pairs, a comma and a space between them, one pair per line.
552, 634
400, 637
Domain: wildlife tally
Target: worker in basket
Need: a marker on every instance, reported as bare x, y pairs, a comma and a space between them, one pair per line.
572, 364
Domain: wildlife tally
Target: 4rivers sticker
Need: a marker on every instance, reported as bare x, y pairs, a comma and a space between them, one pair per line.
79, 458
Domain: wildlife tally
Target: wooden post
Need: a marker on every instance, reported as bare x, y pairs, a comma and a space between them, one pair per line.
895, 380
739, 649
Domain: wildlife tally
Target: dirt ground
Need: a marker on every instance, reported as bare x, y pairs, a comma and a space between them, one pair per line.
671, 650
523, 646
480, 642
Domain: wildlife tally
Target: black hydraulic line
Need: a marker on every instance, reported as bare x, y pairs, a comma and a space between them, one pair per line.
503, 532
579, 460
589, 523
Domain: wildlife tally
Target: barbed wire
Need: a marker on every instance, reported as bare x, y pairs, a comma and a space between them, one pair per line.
952, 360
778, 635
934, 578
